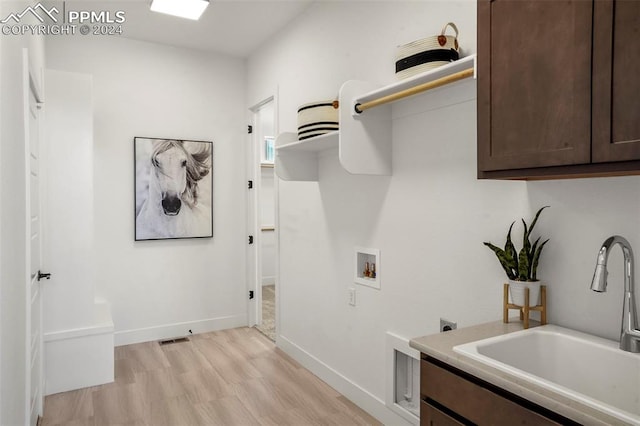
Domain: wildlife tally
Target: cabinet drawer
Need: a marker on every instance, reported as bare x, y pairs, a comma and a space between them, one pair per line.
431, 416
472, 401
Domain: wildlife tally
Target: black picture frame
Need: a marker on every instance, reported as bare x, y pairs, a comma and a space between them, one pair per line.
173, 182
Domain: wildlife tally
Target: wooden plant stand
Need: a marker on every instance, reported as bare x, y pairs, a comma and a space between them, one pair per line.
524, 310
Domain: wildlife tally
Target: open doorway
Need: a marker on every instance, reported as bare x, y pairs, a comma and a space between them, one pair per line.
263, 215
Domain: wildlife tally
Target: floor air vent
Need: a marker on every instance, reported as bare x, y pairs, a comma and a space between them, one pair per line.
174, 340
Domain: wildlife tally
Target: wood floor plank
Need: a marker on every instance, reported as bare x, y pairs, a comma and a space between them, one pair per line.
229, 360
227, 377
68, 406
214, 351
258, 397
240, 333
121, 351
172, 412
76, 422
226, 411
236, 372
118, 404
274, 368
186, 358
204, 385
149, 356
340, 419
124, 370
359, 416
293, 417
159, 384
309, 379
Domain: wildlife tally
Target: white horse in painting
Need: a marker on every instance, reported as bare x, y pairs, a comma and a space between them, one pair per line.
171, 208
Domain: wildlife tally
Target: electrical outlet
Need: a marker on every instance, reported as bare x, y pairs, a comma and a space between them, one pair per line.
446, 325
352, 296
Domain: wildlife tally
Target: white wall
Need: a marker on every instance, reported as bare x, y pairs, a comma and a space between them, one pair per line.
429, 219
583, 213
13, 276
163, 288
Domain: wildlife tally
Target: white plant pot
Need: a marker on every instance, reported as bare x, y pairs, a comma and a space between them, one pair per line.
517, 290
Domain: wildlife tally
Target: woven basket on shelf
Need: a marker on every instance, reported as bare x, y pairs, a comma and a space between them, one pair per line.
428, 53
317, 118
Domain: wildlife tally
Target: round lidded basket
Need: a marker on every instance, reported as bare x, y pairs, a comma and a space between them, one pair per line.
317, 118
427, 53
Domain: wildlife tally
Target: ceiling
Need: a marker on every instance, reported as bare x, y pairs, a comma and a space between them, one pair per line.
233, 27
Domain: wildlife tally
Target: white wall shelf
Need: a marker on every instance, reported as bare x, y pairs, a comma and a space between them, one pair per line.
364, 139
298, 160
314, 144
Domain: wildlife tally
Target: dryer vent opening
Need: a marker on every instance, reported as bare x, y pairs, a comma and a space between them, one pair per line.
403, 378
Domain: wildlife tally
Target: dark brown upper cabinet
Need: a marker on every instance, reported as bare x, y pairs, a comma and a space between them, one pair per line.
558, 88
616, 81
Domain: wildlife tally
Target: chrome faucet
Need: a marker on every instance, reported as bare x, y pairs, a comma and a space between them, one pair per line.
629, 333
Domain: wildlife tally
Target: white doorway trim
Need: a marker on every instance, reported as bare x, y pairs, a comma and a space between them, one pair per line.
253, 272
254, 254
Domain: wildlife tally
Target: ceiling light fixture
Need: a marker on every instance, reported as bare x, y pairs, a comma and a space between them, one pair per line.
190, 9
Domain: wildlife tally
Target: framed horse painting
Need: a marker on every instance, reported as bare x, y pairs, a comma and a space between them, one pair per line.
173, 189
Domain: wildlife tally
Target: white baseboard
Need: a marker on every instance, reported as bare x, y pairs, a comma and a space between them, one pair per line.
166, 331
356, 394
268, 281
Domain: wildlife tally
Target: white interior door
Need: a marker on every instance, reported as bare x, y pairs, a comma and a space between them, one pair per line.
263, 127
34, 247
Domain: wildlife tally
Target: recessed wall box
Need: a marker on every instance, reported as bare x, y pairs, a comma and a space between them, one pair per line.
367, 267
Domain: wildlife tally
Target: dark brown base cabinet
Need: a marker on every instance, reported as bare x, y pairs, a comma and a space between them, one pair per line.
452, 397
558, 85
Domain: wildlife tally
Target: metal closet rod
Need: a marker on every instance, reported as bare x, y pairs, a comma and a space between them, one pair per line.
460, 75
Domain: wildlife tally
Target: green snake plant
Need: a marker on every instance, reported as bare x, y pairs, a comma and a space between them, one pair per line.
523, 265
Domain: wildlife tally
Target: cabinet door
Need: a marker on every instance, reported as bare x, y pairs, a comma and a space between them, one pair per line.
534, 83
616, 80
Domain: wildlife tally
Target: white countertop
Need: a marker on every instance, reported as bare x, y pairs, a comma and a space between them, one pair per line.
440, 346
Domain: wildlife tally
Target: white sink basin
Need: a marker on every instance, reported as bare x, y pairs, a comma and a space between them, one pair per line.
585, 368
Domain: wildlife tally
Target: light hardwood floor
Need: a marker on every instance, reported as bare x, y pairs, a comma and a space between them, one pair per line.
230, 377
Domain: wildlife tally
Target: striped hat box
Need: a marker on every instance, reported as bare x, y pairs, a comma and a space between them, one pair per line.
317, 118
426, 54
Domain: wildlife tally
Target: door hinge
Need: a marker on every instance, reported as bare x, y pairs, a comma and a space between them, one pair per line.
250, 239
42, 275
249, 129
250, 184
250, 294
